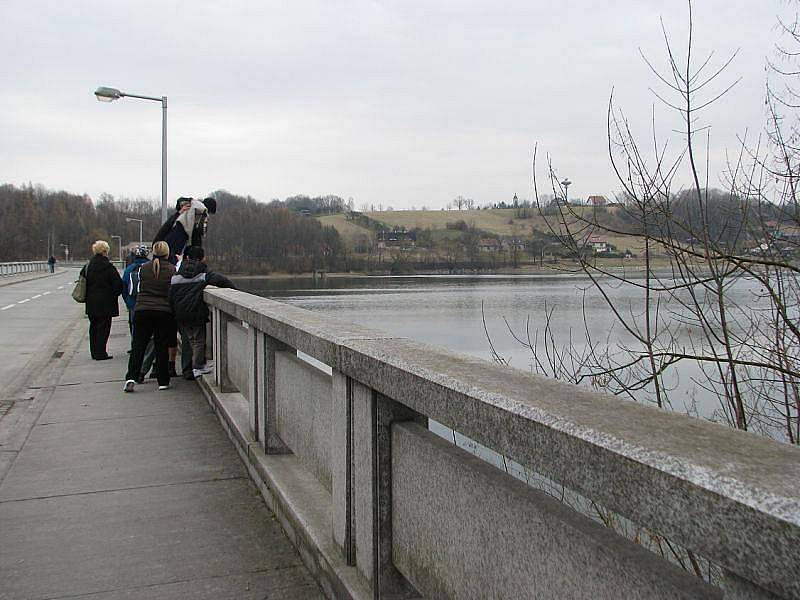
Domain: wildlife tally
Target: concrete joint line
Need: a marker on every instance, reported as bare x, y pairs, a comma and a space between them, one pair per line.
125, 489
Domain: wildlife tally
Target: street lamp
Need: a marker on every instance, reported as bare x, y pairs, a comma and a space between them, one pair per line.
120, 244
129, 219
566, 183
107, 94
66, 252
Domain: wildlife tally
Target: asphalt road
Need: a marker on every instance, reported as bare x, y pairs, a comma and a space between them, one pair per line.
33, 315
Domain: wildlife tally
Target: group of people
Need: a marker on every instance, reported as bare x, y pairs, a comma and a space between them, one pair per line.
163, 293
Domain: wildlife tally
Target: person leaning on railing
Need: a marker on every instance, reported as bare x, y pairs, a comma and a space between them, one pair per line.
189, 307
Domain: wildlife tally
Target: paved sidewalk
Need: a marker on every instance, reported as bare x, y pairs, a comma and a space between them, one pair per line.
134, 496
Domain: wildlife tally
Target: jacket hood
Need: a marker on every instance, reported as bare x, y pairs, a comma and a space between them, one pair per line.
192, 268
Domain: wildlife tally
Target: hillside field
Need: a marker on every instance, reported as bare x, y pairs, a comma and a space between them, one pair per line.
501, 222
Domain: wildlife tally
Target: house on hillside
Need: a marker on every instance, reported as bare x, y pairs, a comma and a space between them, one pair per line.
784, 232
513, 244
489, 245
597, 201
599, 244
399, 237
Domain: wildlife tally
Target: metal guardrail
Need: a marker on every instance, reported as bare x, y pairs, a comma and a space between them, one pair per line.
15, 268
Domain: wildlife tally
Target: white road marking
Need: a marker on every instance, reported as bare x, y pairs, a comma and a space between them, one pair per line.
61, 287
7, 307
45, 293
24, 301
36, 296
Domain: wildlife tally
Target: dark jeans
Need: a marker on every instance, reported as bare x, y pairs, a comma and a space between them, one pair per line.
195, 334
147, 324
99, 330
149, 353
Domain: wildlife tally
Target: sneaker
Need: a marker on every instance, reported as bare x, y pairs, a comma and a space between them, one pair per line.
163, 387
129, 385
196, 373
205, 369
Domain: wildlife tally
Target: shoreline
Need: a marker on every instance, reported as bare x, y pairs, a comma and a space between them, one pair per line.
633, 271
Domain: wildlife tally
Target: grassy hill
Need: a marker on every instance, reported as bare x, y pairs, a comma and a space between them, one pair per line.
500, 222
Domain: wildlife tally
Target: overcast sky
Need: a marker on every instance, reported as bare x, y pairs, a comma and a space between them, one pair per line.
404, 103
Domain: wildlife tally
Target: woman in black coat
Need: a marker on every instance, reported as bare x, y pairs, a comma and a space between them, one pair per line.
103, 287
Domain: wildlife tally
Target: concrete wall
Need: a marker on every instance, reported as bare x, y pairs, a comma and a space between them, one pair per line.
303, 398
379, 507
464, 529
238, 356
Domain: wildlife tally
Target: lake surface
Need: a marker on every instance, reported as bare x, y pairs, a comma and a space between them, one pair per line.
447, 311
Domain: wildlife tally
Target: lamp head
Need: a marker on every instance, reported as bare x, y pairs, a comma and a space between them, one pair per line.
107, 94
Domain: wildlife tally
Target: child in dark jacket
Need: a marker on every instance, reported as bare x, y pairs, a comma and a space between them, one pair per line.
188, 306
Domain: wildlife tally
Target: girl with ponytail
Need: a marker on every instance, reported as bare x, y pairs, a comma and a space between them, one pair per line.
152, 317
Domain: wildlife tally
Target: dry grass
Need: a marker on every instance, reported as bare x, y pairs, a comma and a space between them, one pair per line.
347, 229
501, 222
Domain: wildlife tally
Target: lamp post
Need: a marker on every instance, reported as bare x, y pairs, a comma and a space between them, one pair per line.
129, 219
120, 245
107, 94
566, 183
66, 252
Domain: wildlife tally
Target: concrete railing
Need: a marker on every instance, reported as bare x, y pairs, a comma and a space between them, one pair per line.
379, 506
15, 268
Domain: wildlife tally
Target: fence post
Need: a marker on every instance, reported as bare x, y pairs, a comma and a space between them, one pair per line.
272, 442
373, 415
221, 374
342, 463
252, 379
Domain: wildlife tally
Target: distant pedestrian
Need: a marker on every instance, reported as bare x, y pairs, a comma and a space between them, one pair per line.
51, 263
152, 317
189, 308
103, 287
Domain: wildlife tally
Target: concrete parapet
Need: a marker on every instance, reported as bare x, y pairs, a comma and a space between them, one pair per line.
445, 500
303, 399
730, 496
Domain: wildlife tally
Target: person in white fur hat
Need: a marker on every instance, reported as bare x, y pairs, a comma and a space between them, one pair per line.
187, 226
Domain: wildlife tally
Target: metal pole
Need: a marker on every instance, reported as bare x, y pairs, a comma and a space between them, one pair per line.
163, 159
119, 237
140, 233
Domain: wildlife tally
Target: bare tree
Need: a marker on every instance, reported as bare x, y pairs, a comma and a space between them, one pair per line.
717, 284
699, 247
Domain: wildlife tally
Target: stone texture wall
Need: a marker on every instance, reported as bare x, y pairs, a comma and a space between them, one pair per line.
238, 356
464, 529
303, 395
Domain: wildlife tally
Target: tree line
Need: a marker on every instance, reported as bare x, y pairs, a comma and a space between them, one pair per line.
244, 235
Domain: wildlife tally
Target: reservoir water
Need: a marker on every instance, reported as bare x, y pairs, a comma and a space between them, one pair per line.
448, 311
